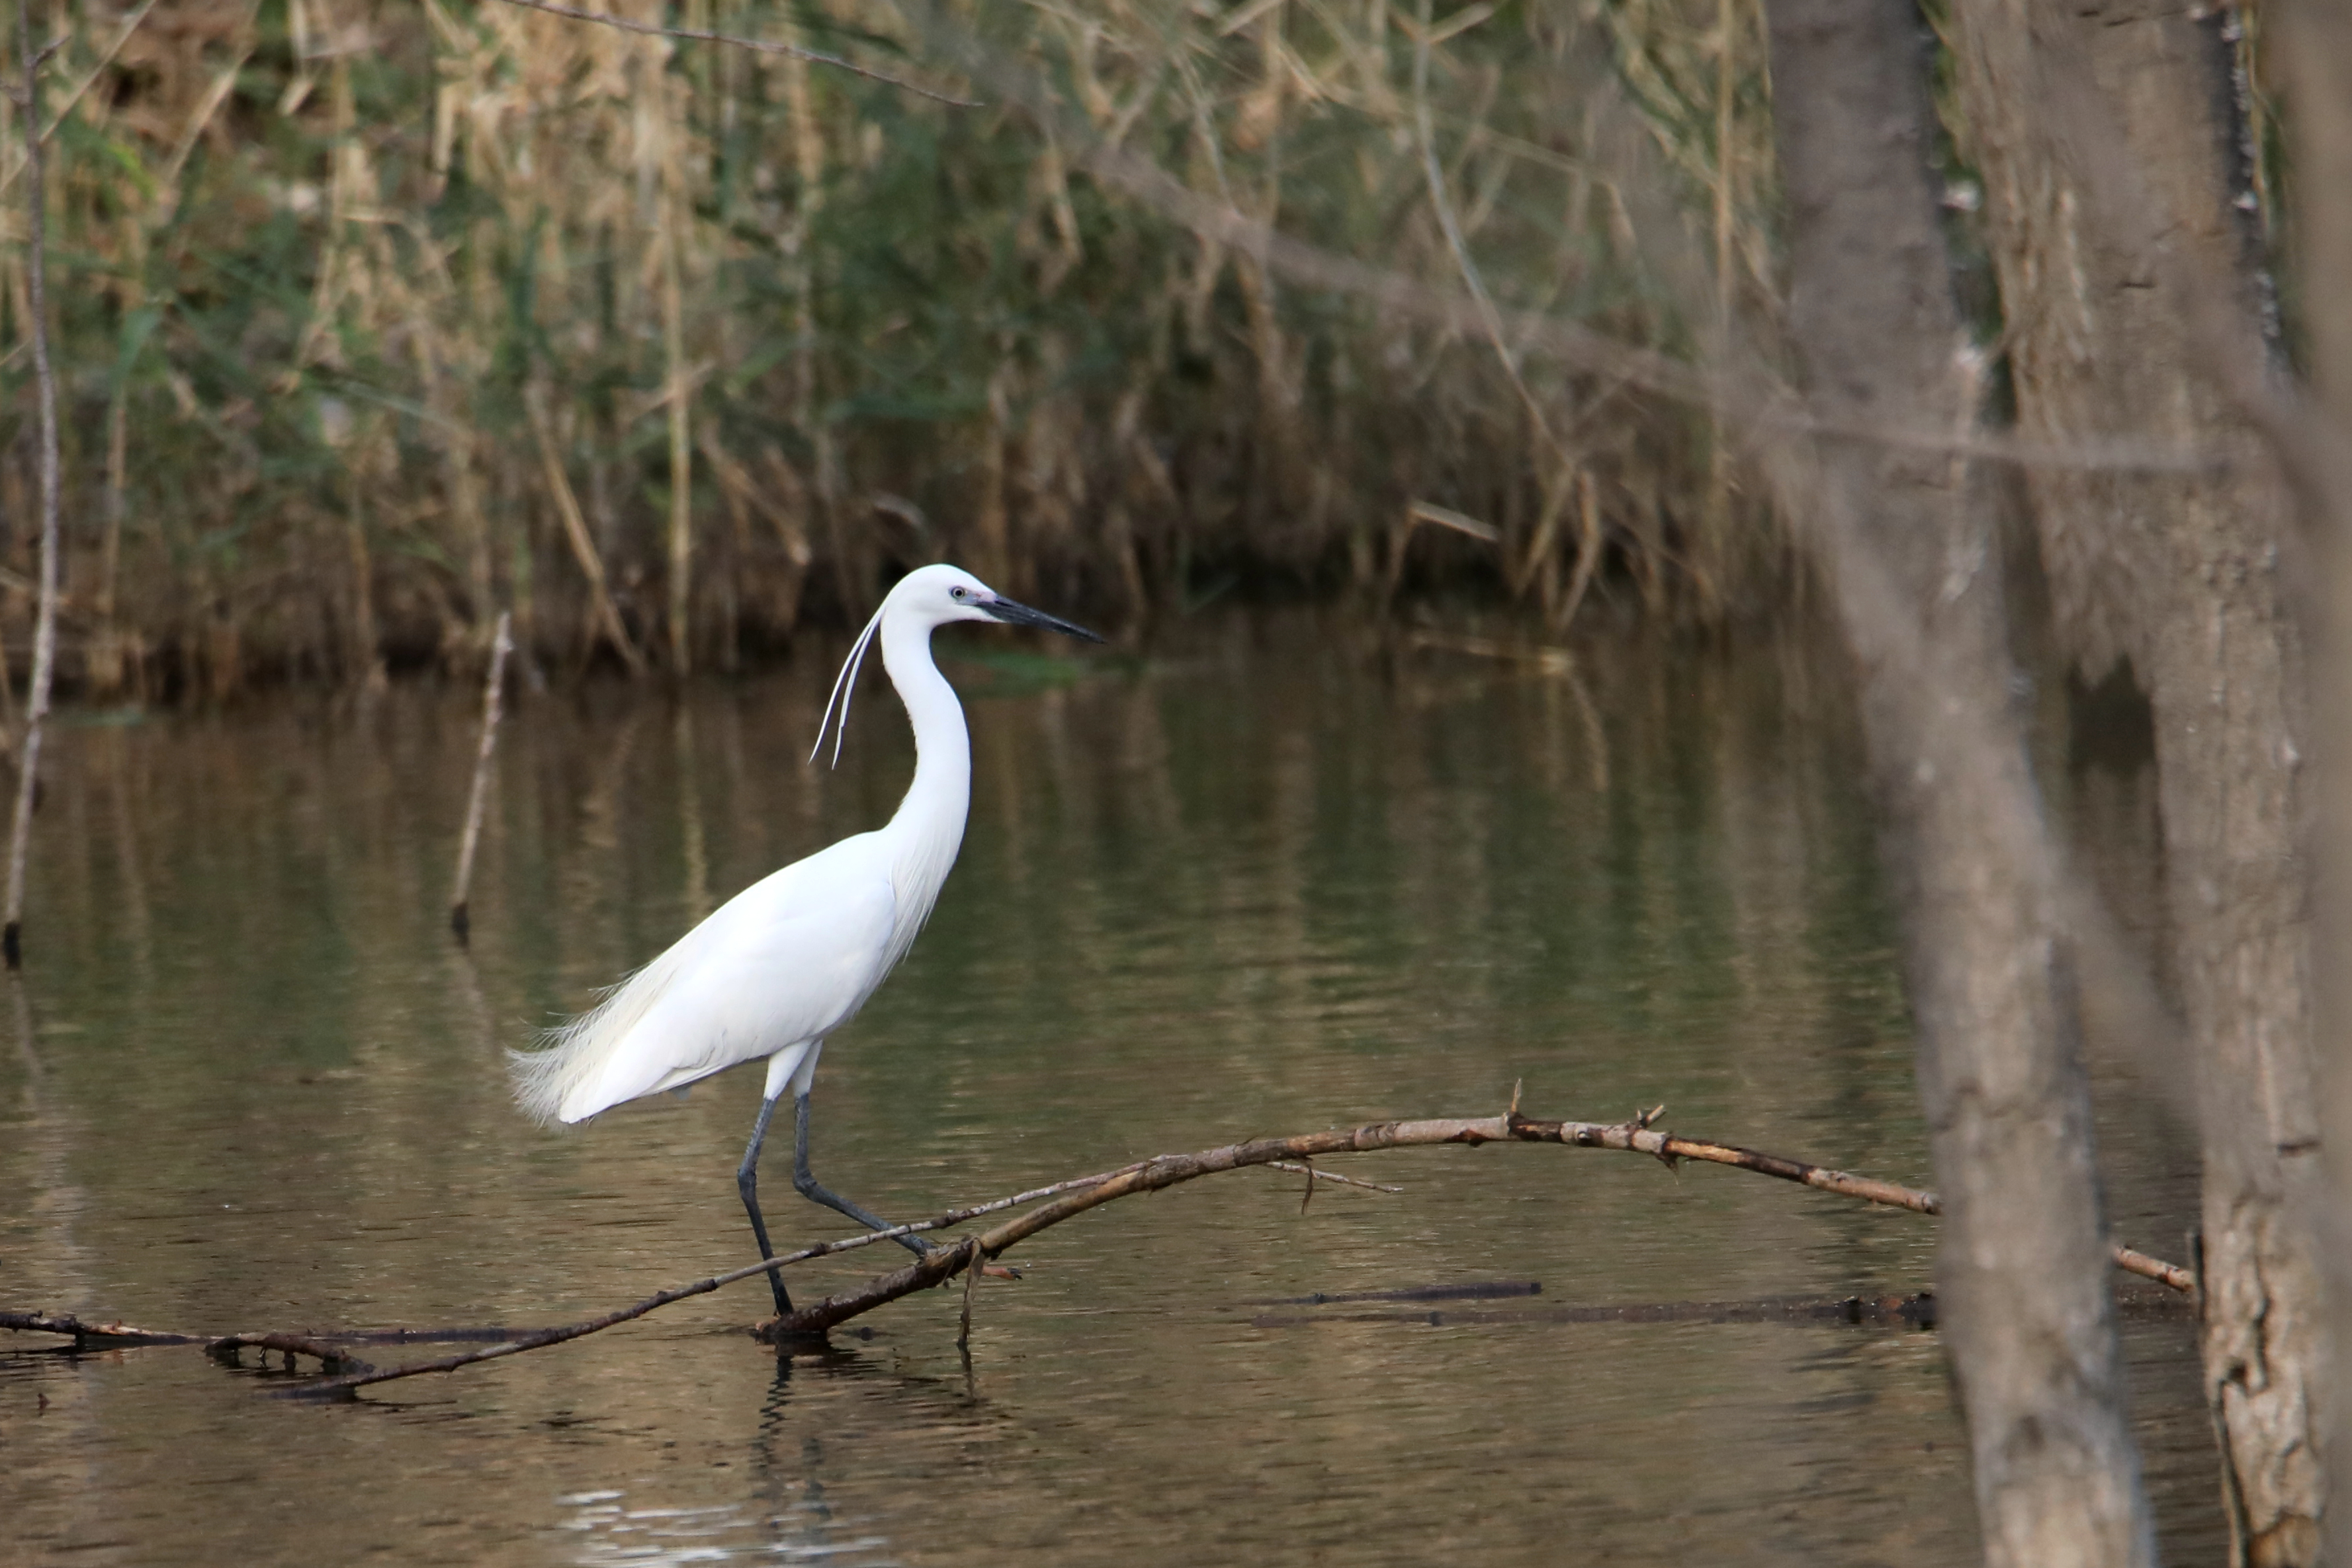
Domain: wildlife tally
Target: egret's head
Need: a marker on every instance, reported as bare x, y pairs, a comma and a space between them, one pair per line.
939, 595
928, 598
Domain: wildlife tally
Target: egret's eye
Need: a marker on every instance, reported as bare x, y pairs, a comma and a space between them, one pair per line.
958, 592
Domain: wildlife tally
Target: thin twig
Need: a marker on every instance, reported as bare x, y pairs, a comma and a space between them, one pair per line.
763, 45
501, 644
970, 1283
1323, 1175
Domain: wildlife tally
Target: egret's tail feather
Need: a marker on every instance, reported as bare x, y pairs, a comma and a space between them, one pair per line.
561, 1080
544, 1078
549, 1080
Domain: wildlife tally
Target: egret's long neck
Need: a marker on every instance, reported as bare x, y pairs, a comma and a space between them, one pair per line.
928, 826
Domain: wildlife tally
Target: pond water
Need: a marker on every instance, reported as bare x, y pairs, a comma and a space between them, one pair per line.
1269, 880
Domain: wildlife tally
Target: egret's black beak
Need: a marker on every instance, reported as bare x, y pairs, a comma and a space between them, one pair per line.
1015, 615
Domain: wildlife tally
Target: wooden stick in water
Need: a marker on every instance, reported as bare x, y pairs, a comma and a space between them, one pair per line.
44, 636
501, 644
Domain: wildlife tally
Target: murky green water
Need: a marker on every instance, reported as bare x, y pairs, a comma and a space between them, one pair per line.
1270, 886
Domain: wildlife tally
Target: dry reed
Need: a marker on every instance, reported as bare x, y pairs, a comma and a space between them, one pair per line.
378, 320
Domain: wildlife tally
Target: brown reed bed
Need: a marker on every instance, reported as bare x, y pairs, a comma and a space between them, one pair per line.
376, 321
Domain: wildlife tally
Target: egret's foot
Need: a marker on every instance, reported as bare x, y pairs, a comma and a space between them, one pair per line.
808, 1188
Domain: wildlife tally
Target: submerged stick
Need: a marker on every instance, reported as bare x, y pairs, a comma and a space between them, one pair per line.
221, 1347
1914, 1311
45, 635
501, 645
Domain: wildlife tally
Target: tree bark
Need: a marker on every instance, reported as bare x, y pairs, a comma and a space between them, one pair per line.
2315, 45
2179, 575
2020, 1272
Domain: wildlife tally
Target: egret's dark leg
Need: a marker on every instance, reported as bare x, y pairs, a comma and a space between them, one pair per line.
747, 1181
808, 1187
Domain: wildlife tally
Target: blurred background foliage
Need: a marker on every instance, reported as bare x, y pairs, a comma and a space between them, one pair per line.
376, 317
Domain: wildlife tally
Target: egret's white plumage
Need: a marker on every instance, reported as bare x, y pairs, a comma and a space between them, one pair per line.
825, 923
791, 958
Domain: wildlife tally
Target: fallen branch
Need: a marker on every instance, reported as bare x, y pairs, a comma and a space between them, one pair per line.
1067, 1200
1635, 1136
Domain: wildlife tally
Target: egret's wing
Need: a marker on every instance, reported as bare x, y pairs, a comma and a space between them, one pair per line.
788, 960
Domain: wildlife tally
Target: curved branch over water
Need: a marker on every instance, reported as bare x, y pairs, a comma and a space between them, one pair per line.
1061, 1201
1168, 1170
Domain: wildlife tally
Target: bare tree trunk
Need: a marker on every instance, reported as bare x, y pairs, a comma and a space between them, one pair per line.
2180, 577
2021, 1270
2314, 39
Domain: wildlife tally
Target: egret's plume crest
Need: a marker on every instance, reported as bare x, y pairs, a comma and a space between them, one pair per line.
845, 686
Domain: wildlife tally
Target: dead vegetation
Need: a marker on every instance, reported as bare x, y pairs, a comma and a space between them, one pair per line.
377, 320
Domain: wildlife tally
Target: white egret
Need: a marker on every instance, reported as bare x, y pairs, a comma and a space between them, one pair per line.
785, 962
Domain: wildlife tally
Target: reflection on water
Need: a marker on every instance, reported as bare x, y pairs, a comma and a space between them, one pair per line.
1266, 886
